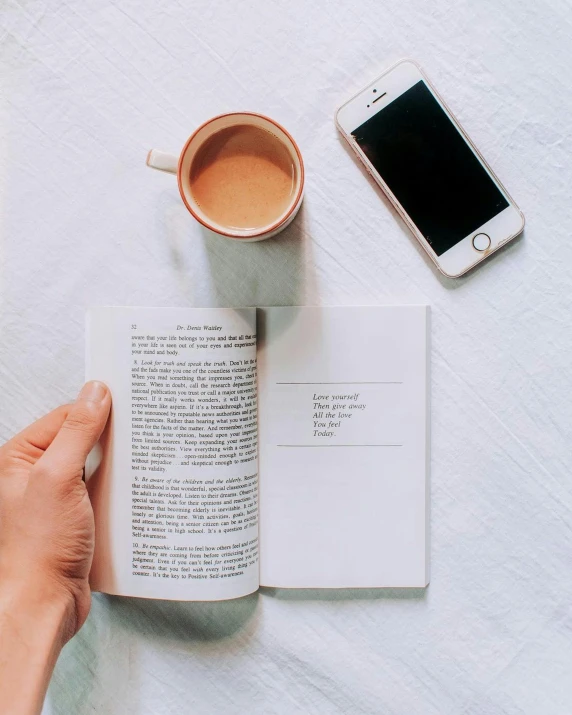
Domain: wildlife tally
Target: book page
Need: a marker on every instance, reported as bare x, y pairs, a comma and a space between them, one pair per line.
343, 434
176, 495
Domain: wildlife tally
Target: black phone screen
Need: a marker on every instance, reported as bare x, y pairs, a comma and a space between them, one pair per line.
429, 167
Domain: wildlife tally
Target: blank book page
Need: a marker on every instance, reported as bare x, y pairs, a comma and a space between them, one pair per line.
343, 444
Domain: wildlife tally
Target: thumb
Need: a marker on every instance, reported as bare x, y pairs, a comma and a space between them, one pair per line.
85, 421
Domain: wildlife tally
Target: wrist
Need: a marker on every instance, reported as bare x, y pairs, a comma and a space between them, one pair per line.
32, 633
36, 617
36, 607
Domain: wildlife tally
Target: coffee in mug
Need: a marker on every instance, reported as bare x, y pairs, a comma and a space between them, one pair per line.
241, 175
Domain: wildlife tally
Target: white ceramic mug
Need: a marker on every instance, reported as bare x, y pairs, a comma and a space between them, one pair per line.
181, 166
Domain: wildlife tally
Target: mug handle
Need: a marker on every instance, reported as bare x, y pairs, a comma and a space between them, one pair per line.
161, 160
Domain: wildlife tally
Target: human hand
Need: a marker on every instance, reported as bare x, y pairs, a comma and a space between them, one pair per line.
46, 545
46, 519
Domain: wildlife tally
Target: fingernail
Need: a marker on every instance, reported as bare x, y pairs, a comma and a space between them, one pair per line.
93, 391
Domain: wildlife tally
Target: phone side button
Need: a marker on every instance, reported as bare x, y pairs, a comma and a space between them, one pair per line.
481, 242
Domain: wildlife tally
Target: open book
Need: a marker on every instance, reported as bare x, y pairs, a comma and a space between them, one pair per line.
279, 447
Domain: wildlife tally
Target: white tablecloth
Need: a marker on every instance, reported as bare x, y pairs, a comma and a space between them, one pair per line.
86, 89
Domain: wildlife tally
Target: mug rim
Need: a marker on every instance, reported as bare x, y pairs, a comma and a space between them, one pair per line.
267, 229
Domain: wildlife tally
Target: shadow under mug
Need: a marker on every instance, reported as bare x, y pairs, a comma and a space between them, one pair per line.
181, 166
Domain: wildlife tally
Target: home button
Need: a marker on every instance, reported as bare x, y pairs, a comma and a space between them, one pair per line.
481, 242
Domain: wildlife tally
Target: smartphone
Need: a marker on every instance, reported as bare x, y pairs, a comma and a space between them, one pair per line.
431, 171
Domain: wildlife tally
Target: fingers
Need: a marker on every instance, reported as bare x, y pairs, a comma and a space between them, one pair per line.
85, 420
34, 439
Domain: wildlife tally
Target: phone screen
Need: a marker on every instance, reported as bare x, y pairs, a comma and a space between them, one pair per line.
430, 168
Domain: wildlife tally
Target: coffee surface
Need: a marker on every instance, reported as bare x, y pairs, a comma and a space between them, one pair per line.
243, 177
